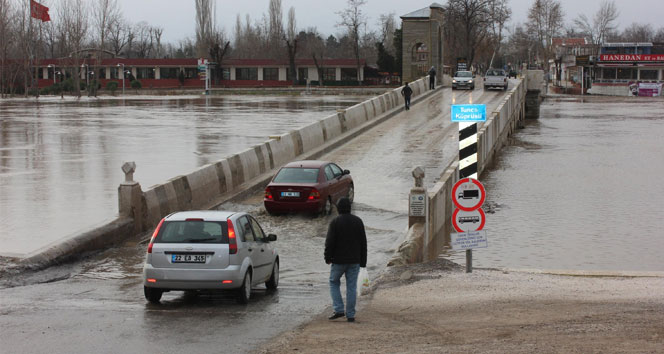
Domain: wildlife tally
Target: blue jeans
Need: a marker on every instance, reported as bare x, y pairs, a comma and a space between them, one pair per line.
351, 271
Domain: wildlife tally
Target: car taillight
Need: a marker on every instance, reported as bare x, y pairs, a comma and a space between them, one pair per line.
232, 241
154, 235
268, 193
314, 195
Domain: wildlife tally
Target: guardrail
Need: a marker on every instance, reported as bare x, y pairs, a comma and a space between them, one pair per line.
424, 242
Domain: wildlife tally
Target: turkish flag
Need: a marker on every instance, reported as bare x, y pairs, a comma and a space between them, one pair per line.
39, 11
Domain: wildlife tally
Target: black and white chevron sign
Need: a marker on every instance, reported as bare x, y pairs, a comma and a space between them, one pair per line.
468, 150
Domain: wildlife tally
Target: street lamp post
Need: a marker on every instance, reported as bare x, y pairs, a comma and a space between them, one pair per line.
62, 89
123, 77
87, 83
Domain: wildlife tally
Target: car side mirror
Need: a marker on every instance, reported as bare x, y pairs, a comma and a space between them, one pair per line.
271, 237
346, 172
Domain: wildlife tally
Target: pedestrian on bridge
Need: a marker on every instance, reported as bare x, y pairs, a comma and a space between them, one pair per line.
432, 78
346, 251
406, 92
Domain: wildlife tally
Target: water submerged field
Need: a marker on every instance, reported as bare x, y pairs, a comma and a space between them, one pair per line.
580, 188
60, 160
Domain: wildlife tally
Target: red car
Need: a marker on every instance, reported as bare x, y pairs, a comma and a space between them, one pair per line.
308, 186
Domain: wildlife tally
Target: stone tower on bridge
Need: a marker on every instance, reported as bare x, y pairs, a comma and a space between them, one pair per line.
422, 46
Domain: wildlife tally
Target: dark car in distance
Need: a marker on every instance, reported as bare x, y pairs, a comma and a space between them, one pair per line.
309, 187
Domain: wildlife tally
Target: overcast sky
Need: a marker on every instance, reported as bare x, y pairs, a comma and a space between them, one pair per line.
177, 17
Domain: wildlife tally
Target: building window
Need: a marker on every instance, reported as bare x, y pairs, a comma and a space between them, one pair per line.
102, 73
271, 74
226, 74
648, 75
115, 72
608, 74
329, 74
302, 73
246, 73
348, 74
626, 74
145, 73
169, 73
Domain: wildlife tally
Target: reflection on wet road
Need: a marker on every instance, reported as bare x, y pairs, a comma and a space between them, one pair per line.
100, 306
60, 161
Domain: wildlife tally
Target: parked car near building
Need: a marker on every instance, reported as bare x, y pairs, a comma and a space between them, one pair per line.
463, 79
308, 186
495, 78
209, 250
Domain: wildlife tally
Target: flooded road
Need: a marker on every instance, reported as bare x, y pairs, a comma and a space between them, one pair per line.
60, 160
580, 188
104, 294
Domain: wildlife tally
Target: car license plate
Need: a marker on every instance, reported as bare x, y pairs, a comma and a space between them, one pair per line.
188, 258
290, 194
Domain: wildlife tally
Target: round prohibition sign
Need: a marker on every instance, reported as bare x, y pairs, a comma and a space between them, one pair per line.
466, 221
471, 198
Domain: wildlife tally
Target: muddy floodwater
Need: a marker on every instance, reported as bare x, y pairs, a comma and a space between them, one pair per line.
580, 188
60, 160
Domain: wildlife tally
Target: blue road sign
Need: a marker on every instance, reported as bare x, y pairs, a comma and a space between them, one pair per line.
469, 113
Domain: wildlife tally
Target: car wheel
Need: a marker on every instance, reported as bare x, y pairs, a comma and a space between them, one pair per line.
152, 294
327, 208
351, 193
244, 292
273, 282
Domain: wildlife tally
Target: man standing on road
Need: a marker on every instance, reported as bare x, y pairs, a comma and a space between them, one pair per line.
432, 78
346, 250
406, 92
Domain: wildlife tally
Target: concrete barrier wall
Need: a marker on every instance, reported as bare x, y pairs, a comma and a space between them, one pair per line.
492, 135
201, 188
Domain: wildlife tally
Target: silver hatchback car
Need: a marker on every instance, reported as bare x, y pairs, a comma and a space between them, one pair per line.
209, 250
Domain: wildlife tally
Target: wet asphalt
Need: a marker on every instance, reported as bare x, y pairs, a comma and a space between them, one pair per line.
97, 305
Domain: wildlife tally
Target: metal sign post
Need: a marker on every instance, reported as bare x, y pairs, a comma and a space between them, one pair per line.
467, 116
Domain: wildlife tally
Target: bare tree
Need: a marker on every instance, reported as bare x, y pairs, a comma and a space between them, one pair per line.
638, 33
74, 15
387, 26
6, 11
659, 36
500, 13
291, 43
119, 35
603, 24
275, 27
104, 13
545, 21
204, 24
353, 19
470, 21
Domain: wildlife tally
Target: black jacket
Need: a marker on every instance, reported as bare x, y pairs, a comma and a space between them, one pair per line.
407, 91
346, 241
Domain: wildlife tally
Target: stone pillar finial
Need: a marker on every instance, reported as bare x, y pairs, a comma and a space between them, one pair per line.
418, 174
129, 168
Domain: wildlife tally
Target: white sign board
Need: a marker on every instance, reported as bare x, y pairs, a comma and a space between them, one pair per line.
468, 240
417, 206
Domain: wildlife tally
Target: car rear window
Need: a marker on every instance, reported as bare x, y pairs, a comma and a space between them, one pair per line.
296, 175
193, 232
